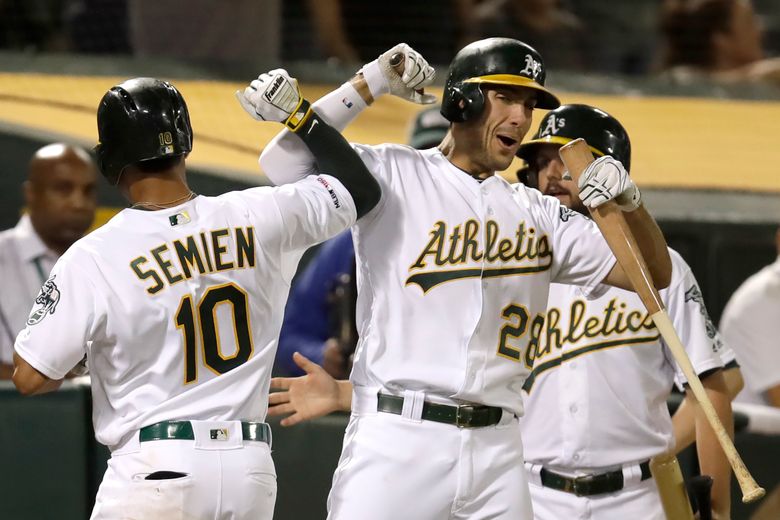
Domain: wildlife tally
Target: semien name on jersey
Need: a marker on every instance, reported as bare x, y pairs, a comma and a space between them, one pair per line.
205, 252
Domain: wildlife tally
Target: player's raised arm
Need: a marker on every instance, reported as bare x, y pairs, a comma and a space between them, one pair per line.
606, 179
286, 160
275, 96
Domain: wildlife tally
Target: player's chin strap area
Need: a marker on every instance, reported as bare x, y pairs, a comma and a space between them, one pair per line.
590, 484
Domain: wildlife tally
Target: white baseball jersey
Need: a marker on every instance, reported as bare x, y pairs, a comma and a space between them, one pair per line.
25, 262
750, 325
453, 276
178, 310
597, 393
453, 273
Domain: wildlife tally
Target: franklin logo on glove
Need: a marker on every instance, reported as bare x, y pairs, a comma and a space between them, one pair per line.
271, 92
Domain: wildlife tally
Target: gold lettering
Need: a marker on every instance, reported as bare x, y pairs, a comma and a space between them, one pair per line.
166, 264
245, 244
219, 249
188, 256
136, 264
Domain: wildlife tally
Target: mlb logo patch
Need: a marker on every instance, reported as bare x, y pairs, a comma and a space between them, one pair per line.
179, 218
219, 434
347, 102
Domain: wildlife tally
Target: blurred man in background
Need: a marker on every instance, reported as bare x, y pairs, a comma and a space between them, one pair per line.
716, 39
61, 201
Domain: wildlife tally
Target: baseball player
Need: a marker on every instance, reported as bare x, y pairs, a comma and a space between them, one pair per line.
177, 302
595, 401
454, 266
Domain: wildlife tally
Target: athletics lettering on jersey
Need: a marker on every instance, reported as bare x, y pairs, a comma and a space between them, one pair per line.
610, 327
207, 252
529, 253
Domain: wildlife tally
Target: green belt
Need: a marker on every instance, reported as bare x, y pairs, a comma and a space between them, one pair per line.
588, 485
182, 430
462, 416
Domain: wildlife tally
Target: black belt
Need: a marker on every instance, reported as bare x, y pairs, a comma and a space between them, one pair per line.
587, 485
182, 430
462, 416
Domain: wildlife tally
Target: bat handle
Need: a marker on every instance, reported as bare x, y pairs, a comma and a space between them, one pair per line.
397, 62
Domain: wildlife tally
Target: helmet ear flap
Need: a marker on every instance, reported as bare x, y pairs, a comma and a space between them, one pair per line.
474, 100
464, 101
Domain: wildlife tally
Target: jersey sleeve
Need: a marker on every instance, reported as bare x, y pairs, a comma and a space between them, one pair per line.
296, 216
61, 322
685, 306
581, 256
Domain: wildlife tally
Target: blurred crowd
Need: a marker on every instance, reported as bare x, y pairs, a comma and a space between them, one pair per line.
725, 40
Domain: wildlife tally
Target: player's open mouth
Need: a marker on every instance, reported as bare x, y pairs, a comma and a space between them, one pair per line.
507, 141
556, 191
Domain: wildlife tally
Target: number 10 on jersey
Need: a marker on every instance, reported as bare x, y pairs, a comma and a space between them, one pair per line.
203, 318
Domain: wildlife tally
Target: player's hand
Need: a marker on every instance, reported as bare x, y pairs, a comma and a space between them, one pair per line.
306, 397
405, 80
274, 96
606, 179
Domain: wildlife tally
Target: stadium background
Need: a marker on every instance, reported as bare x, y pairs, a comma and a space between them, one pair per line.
705, 154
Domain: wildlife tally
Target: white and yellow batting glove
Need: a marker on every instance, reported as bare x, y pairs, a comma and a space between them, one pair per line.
275, 96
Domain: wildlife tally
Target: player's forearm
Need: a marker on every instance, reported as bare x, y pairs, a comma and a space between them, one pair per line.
652, 244
712, 460
286, 159
336, 157
684, 424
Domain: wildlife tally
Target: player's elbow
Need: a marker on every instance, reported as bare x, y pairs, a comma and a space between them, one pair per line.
23, 385
27, 380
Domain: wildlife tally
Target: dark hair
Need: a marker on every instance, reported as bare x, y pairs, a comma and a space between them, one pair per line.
689, 26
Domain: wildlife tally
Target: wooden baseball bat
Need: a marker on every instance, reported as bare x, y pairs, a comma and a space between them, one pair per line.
671, 487
610, 220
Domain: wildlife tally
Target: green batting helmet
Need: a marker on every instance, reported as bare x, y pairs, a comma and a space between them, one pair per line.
603, 133
140, 120
496, 61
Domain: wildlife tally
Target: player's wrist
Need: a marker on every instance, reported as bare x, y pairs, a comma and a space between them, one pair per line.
375, 78
301, 118
630, 199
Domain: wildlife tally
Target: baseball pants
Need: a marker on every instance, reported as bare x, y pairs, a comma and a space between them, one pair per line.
394, 467
220, 479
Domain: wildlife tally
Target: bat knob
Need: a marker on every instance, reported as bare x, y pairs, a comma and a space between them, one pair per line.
396, 59
753, 495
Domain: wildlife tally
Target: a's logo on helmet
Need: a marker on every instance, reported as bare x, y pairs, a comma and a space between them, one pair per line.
553, 125
46, 302
532, 67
